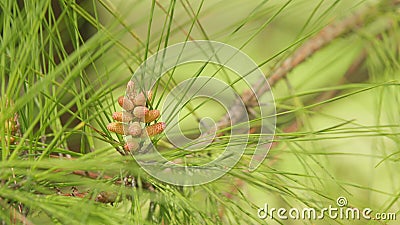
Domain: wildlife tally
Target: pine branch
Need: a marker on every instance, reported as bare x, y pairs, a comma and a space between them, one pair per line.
310, 47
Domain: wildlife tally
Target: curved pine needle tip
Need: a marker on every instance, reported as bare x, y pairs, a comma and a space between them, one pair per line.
154, 129
151, 115
125, 103
149, 95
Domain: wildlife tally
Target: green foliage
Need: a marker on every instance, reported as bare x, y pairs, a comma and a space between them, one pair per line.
63, 63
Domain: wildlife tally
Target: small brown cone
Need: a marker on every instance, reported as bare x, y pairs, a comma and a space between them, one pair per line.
122, 116
151, 115
140, 111
116, 127
154, 129
125, 103
135, 129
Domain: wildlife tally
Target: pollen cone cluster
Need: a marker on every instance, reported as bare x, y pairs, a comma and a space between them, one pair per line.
132, 121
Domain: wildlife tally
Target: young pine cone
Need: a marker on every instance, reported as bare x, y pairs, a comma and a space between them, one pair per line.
117, 127
140, 111
154, 129
125, 103
122, 116
135, 129
141, 98
151, 115
130, 122
130, 91
131, 146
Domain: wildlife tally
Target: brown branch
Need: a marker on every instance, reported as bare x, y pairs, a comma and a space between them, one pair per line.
323, 38
352, 75
104, 196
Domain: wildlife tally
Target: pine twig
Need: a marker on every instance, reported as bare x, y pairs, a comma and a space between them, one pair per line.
323, 38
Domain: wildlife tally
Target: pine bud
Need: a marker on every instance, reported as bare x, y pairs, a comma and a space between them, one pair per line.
131, 146
125, 103
151, 115
130, 90
155, 129
140, 111
122, 116
116, 127
140, 99
135, 129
